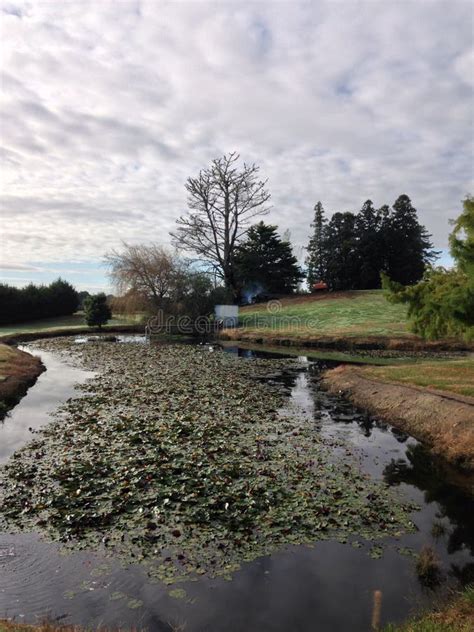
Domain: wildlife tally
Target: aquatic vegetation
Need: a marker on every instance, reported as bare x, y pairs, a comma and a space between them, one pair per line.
438, 530
179, 458
428, 567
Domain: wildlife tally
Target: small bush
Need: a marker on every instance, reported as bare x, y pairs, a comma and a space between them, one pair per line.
96, 310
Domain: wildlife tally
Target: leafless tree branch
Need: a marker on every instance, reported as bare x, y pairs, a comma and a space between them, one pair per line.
222, 202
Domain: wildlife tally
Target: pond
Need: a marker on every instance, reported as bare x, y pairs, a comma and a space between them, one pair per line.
327, 586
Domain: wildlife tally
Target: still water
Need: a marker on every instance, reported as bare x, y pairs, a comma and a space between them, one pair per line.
328, 587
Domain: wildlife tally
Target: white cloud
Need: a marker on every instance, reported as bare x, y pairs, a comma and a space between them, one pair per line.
108, 107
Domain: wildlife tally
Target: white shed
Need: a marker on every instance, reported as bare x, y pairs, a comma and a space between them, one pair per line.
227, 314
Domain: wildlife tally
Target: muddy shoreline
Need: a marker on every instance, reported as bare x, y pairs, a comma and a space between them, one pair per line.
444, 422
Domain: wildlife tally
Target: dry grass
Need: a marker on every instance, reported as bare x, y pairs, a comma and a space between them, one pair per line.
443, 422
454, 376
428, 567
18, 370
13, 626
456, 616
7, 355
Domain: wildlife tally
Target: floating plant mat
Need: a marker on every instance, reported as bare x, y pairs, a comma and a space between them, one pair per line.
179, 458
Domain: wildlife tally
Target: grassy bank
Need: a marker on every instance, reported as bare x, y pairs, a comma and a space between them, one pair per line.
442, 421
341, 321
363, 357
18, 370
356, 313
13, 626
457, 616
452, 376
74, 321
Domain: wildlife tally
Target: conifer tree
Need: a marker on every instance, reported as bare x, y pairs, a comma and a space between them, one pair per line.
369, 247
316, 260
96, 310
265, 260
341, 248
442, 303
409, 248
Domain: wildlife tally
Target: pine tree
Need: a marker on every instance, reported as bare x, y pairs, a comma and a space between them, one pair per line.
96, 310
409, 248
341, 247
462, 250
383, 214
369, 246
265, 259
442, 303
317, 259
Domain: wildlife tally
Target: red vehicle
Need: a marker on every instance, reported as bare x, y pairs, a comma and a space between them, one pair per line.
320, 286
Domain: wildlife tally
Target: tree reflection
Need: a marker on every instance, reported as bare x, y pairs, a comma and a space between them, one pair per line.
434, 478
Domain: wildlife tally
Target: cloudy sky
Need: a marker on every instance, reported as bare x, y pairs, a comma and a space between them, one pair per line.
108, 107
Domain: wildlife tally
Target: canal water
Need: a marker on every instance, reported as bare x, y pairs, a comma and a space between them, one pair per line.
327, 587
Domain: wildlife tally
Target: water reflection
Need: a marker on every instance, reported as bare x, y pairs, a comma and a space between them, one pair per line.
420, 470
53, 386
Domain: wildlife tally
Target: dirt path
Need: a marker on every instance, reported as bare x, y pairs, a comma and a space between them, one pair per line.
444, 421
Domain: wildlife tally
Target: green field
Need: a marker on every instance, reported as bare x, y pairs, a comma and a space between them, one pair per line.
358, 313
456, 376
75, 321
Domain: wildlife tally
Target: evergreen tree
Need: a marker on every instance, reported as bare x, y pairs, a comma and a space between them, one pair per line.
63, 297
462, 250
349, 251
265, 259
369, 249
96, 310
408, 244
383, 214
341, 247
442, 303
37, 301
317, 258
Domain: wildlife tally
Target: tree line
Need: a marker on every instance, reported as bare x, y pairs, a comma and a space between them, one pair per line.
37, 301
234, 254
349, 251
229, 244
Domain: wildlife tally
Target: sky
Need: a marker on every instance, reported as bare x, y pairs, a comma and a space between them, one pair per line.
107, 108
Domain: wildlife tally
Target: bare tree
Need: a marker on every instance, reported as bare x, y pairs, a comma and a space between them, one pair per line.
147, 271
222, 202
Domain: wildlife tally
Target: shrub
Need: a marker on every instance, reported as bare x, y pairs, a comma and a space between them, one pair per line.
96, 310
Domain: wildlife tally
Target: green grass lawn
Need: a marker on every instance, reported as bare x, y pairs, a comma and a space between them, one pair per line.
63, 322
358, 313
456, 376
